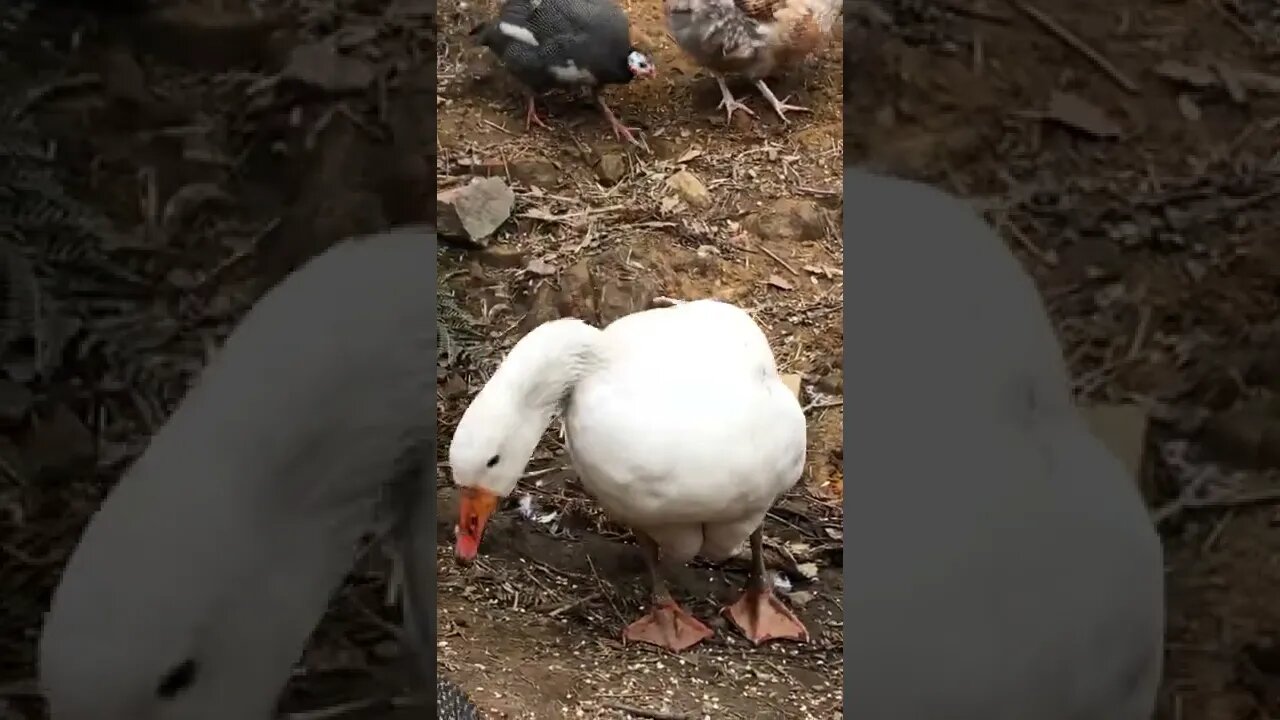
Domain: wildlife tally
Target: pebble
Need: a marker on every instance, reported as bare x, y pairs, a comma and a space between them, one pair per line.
789, 220
611, 169
690, 189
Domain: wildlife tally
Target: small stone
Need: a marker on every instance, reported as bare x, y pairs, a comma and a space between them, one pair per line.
832, 383
320, 67
690, 189
611, 168
537, 173
789, 220
187, 201
578, 293
473, 212
1188, 107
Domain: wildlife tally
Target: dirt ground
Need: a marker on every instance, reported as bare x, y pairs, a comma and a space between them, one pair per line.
224, 149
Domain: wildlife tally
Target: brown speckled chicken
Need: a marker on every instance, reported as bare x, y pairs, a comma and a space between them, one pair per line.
751, 37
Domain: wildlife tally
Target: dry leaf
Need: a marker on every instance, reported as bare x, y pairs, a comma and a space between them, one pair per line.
1076, 112
808, 570
1260, 82
1197, 77
690, 154
1231, 81
825, 271
540, 214
778, 282
538, 266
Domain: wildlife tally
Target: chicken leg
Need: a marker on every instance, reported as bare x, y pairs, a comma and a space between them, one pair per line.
759, 614
779, 106
667, 625
729, 102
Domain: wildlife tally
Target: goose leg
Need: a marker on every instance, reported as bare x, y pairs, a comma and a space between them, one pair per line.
667, 625
759, 614
779, 106
729, 103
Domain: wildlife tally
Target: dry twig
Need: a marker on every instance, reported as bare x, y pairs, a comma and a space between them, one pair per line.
1053, 26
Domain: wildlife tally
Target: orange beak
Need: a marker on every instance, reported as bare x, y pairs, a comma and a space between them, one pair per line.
477, 506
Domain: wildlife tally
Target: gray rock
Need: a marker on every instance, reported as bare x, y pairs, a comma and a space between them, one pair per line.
474, 211
321, 67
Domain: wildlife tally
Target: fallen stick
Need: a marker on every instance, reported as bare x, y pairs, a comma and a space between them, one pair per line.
1048, 23
1187, 499
645, 713
1230, 501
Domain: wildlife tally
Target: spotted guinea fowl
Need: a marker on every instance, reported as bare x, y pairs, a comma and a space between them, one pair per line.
752, 37
550, 44
452, 703
195, 586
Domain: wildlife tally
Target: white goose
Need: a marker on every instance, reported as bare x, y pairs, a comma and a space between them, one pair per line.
1006, 568
677, 424
194, 588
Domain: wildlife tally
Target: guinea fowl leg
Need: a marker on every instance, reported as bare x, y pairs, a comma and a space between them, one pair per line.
620, 131
759, 614
729, 103
779, 106
531, 117
667, 625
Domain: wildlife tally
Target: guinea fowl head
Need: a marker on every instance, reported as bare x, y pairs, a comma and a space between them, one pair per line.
640, 65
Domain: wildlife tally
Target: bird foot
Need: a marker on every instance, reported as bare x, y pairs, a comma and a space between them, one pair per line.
781, 107
668, 626
730, 105
531, 118
761, 616
622, 132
